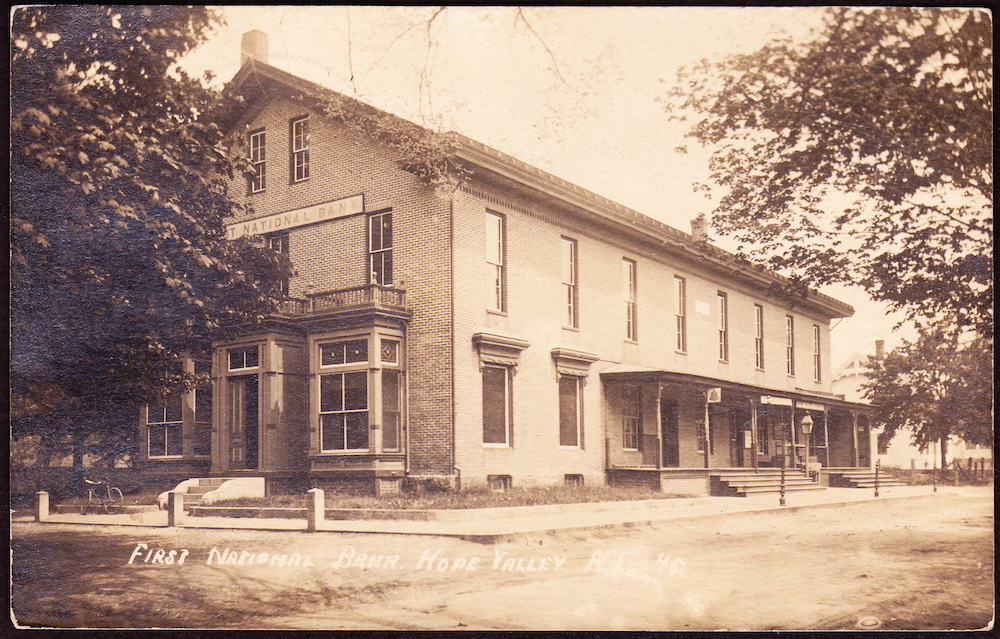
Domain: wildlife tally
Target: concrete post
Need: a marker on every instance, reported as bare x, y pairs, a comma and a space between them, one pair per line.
41, 506
175, 508
315, 509
913, 472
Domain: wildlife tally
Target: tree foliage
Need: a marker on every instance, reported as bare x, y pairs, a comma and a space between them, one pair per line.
861, 155
120, 177
937, 385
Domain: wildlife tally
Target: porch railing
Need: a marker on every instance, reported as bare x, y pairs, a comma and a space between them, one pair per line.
368, 295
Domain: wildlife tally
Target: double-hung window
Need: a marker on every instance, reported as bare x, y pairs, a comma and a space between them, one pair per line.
380, 248
680, 315
758, 339
300, 149
629, 295
631, 417
496, 405
258, 161
165, 425
343, 396
790, 344
203, 410
570, 411
817, 360
569, 274
343, 410
495, 253
723, 327
279, 244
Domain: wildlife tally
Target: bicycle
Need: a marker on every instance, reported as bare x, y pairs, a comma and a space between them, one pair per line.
103, 494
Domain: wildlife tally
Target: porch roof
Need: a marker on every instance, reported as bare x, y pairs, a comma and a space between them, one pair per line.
635, 374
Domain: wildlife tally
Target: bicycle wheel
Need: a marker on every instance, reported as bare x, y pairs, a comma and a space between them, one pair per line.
113, 505
92, 502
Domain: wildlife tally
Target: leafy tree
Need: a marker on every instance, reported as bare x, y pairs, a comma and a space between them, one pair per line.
936, 386
861, 155
120, 176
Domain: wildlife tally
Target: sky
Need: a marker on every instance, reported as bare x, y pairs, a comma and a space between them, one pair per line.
571, 90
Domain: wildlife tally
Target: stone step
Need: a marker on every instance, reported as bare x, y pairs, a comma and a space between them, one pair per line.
777, 489
759, 478
870, 483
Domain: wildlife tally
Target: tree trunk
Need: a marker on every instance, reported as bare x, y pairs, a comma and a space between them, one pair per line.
76, 481
944, 452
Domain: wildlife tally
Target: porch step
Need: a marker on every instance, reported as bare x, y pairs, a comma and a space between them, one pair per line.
195, 494
860, 479
748, 483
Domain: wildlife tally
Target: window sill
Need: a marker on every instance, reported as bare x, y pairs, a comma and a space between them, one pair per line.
485, 445
493, 311
680, 352
723, 361
165, 457
574, 329
630, 341
344, 453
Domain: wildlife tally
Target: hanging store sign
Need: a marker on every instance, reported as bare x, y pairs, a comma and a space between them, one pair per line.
775, 401
299, 217
714, 395
809, 406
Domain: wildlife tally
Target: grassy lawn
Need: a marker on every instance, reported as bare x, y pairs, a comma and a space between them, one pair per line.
464, 499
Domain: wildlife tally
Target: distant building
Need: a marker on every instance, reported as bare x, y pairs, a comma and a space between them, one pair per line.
516, 330
899, 451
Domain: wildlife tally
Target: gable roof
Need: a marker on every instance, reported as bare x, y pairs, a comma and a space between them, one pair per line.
257, 81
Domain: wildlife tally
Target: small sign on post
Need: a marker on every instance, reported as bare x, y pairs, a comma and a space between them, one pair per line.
714, 395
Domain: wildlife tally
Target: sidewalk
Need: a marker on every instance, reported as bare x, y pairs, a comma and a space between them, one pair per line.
489, 525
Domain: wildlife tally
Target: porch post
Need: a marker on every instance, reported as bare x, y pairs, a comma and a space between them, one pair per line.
826, 433
854, 435
708, 433
659, 425
753, 431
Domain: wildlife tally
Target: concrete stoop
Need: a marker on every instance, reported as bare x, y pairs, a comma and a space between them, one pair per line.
861, 479
742, 484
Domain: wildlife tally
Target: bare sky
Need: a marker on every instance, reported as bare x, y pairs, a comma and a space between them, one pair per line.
573, 90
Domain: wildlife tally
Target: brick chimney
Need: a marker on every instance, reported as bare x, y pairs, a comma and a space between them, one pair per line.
879, 349
254, 46
699, 227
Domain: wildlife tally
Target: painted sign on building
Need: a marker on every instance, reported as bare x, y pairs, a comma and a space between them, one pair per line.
299, 217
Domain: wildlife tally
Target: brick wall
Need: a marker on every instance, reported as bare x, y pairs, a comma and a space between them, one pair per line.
333, 254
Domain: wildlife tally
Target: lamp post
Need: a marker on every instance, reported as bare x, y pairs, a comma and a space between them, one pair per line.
807, 428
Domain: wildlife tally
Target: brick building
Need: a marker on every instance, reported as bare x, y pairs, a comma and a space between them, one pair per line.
516, 329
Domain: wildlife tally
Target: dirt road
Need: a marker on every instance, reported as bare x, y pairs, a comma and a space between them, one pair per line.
922, 563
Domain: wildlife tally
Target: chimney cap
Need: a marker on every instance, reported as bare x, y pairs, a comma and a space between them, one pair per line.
699, 227
253, 47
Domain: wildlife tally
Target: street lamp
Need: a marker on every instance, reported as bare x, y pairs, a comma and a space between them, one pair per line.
807, 428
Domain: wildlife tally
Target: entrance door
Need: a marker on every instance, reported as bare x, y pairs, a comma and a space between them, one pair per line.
243, 422
669, 434
740, 437
864, 443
